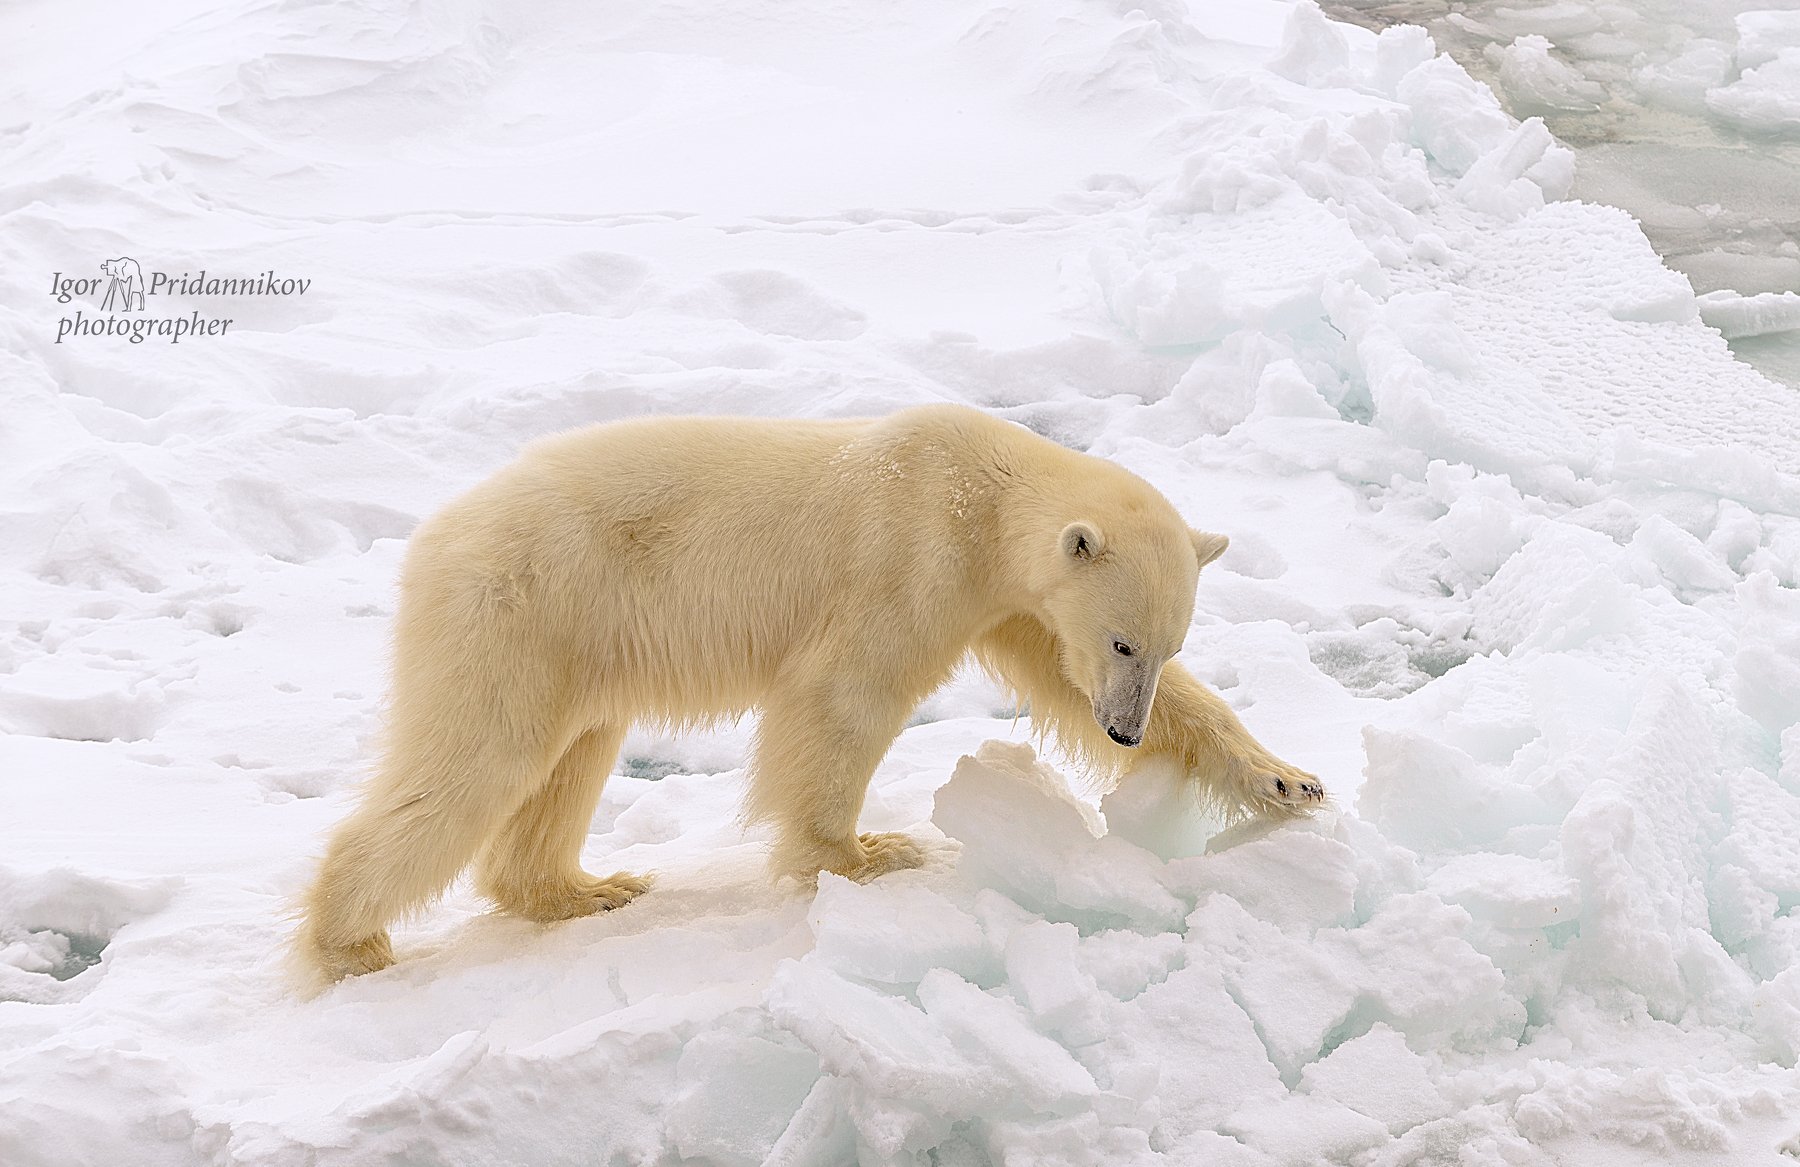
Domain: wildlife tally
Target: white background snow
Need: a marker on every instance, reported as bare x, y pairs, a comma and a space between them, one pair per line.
1515, 568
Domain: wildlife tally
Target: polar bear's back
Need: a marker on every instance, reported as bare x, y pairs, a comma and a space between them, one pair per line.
715, 547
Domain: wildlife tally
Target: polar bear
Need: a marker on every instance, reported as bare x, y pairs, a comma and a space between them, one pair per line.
829, 574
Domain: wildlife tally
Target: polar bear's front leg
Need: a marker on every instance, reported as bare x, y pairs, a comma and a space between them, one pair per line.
817, 746
1187, 722
1193, 723
1263, 784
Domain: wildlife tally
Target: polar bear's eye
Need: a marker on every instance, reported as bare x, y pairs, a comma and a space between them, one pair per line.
1120, 647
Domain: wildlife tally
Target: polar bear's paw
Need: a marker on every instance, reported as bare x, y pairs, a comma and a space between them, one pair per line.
585, 896
371, 954
883, 852
1268, 786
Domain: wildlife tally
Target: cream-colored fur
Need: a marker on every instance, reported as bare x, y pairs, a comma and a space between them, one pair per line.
829, 574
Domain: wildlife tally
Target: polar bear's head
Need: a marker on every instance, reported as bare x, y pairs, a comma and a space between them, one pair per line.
1121, 607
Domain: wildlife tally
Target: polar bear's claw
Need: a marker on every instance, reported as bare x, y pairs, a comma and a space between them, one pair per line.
1299, 790
1272, 787
884, 852
586, 896
334, 962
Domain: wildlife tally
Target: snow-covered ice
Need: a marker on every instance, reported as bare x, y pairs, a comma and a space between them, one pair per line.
1687, 115
1515, 568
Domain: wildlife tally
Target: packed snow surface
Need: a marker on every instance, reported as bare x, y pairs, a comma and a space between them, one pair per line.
1515, 568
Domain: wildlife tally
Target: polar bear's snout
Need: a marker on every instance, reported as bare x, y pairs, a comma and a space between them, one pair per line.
1123, 709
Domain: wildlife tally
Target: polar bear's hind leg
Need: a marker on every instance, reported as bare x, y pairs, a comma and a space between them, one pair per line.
532, 866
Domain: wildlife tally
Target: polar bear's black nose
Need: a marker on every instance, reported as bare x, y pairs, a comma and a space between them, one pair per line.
1121, 738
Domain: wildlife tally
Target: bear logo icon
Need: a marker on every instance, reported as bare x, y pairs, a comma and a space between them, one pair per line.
127, 283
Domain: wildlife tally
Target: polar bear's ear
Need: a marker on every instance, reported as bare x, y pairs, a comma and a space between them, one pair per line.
1208, 547
1081, 540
